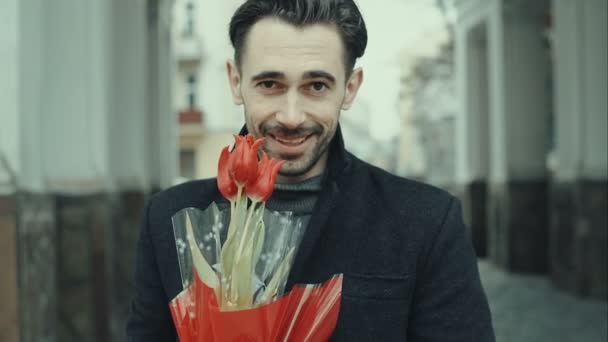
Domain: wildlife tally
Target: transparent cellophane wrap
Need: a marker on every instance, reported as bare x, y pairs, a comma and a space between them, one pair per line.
208, 309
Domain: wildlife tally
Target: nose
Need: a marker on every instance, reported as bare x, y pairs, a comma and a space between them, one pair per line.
291, 114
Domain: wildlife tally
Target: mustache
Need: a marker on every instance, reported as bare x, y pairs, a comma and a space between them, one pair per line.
280, 130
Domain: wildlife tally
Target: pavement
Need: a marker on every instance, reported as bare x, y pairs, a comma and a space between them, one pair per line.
528, 308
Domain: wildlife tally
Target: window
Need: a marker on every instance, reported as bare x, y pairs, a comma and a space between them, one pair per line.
187, 166
191, 91
189, 29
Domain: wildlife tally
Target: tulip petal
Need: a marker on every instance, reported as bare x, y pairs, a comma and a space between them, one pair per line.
225, 183
244, 161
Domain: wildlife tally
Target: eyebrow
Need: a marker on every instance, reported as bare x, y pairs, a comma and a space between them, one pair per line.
267, 74
307, 75
319, 74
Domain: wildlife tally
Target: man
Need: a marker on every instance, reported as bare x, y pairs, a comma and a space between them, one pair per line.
410, 272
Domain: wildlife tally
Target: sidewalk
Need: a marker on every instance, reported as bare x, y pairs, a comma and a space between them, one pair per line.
529, 309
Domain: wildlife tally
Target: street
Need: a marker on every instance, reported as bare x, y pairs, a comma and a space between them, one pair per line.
528, 308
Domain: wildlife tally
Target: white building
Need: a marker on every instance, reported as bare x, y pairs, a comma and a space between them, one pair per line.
202, 98
86, 133
531, 137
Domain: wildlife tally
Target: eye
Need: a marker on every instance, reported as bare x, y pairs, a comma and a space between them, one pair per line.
318, 87
267, 84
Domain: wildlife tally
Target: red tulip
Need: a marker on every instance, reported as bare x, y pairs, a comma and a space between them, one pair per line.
244, 160
262, 188
225, 184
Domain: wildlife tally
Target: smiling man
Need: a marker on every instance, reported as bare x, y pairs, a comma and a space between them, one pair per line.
294, 78
410, 272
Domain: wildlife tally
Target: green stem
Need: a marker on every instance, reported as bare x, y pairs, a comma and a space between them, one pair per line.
227, 247
231, 209
246, 229
242, 298
234, 211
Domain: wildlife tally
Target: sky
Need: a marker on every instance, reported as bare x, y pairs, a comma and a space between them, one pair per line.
397, 30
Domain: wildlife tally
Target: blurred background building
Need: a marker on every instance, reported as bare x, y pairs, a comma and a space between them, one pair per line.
104, 102
87, 131
530, 147
207, 116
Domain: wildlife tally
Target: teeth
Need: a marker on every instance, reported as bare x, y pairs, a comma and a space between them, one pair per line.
291, 142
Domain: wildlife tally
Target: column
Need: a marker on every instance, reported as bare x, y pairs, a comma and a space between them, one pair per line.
129, 154
472, 122
75, 133
519, 120
33, 206
579, 187
161, 129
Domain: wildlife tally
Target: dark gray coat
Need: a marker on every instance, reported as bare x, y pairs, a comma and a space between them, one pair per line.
410, 272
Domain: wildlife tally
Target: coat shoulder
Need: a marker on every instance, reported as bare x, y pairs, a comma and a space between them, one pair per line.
403, 196
193, 194
187, 192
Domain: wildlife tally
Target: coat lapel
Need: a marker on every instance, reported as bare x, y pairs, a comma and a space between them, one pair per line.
325, 204
328, 198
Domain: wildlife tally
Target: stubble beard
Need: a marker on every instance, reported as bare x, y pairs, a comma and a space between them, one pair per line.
299, 166
306, 162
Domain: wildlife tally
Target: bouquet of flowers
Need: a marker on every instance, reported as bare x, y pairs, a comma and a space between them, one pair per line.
235, 260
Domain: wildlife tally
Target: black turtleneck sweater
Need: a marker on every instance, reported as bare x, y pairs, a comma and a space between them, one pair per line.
299, 198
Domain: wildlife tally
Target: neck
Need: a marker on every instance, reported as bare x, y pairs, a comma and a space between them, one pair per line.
299, 198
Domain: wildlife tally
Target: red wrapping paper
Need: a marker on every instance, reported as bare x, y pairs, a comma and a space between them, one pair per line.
306, 313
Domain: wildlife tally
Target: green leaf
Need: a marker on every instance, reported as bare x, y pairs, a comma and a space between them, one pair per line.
204, 270
235, 231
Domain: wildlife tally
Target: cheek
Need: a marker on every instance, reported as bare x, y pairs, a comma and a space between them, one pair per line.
327, 114
257, 112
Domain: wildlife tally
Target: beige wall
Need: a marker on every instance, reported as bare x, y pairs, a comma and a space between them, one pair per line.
208, 152
9, 316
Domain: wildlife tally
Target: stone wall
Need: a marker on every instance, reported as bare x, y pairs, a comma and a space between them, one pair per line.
67, 265
579, 237
518, 226
97, 239
9, 314
124, 231
82, 272
37, 267
473, 197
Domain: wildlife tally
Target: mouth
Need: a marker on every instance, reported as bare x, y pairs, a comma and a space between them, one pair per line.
290, 141
290, 145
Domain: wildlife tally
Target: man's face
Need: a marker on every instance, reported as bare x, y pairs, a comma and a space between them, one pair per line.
293, 87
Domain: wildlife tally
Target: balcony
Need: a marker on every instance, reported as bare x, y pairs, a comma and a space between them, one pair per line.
190, 122
190, 117
188, 50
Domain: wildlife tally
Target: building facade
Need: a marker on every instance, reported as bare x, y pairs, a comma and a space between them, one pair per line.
531, 136
86, 134
202, 100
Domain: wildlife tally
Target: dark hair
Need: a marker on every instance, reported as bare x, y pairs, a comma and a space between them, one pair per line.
342, 13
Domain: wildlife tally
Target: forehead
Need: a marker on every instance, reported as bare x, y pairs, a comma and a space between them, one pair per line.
274, 45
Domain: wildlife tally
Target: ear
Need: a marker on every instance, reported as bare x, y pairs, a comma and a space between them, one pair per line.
234, 78
352, 87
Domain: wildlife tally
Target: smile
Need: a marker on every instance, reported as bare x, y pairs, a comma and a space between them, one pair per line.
291, 145
293, 141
